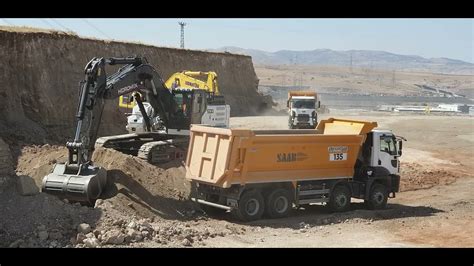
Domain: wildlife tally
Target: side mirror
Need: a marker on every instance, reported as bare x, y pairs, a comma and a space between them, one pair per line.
319, 104
288, 103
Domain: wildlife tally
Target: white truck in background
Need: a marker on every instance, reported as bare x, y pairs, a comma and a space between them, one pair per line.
302, 109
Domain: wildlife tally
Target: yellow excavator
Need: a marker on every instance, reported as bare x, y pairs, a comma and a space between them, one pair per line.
188, 80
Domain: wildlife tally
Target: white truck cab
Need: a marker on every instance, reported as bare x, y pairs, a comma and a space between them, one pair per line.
302, 110
386, 150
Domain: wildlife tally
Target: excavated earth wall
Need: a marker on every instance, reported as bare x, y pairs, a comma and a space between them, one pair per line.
40, 74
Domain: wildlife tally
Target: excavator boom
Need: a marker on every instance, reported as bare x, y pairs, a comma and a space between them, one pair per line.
78, 179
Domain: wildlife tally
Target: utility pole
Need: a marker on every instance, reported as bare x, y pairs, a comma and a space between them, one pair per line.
182, 24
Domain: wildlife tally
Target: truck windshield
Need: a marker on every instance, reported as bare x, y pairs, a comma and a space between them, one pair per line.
307, 104
387, 144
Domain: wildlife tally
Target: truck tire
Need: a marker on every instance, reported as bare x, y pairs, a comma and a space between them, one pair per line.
378, 197
340, 199
251, 206
278, 203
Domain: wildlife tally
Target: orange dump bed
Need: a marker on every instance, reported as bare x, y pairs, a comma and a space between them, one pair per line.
301, 93
223, 157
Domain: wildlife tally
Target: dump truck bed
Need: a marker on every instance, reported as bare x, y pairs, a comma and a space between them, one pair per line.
301, 93
223, 157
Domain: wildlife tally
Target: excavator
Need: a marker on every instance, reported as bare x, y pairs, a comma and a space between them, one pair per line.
218, 113
166, 117
191, 79
182, 80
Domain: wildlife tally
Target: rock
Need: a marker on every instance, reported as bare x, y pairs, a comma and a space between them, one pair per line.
26, 186
16, 243
55, 234
134, 235
90, 235
80, 238
145, 234
84, 228
43, 235
302, 230
91, 242
98, 203
114, 237
97, 233
132, 225
41, 228
186, 242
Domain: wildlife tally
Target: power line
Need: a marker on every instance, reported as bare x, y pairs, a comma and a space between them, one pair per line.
4, 20
60, 25
49, 24
96, 28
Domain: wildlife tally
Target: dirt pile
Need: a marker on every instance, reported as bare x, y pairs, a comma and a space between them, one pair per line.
414, 176
139, 188
135, 186
142, 203
40, 72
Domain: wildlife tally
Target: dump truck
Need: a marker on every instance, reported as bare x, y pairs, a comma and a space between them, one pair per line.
302, 107
257, 172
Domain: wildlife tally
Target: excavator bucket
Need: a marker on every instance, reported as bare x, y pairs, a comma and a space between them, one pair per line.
85, 185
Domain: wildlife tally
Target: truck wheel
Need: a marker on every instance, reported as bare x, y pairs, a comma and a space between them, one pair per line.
378, 197
278, 203
340, 200
251, 206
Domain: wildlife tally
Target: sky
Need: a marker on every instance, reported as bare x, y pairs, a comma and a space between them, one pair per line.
450, 38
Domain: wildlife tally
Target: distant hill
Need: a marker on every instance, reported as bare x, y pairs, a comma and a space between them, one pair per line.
360, 58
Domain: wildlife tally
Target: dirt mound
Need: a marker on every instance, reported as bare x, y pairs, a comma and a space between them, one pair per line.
137, 187
415, 176
137, 193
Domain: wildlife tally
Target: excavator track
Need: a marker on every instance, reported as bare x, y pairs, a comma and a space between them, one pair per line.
157, 152
155, 148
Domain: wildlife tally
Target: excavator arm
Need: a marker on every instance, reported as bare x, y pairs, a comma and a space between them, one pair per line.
78, 179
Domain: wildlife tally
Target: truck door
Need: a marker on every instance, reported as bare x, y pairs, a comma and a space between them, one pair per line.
387, 156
